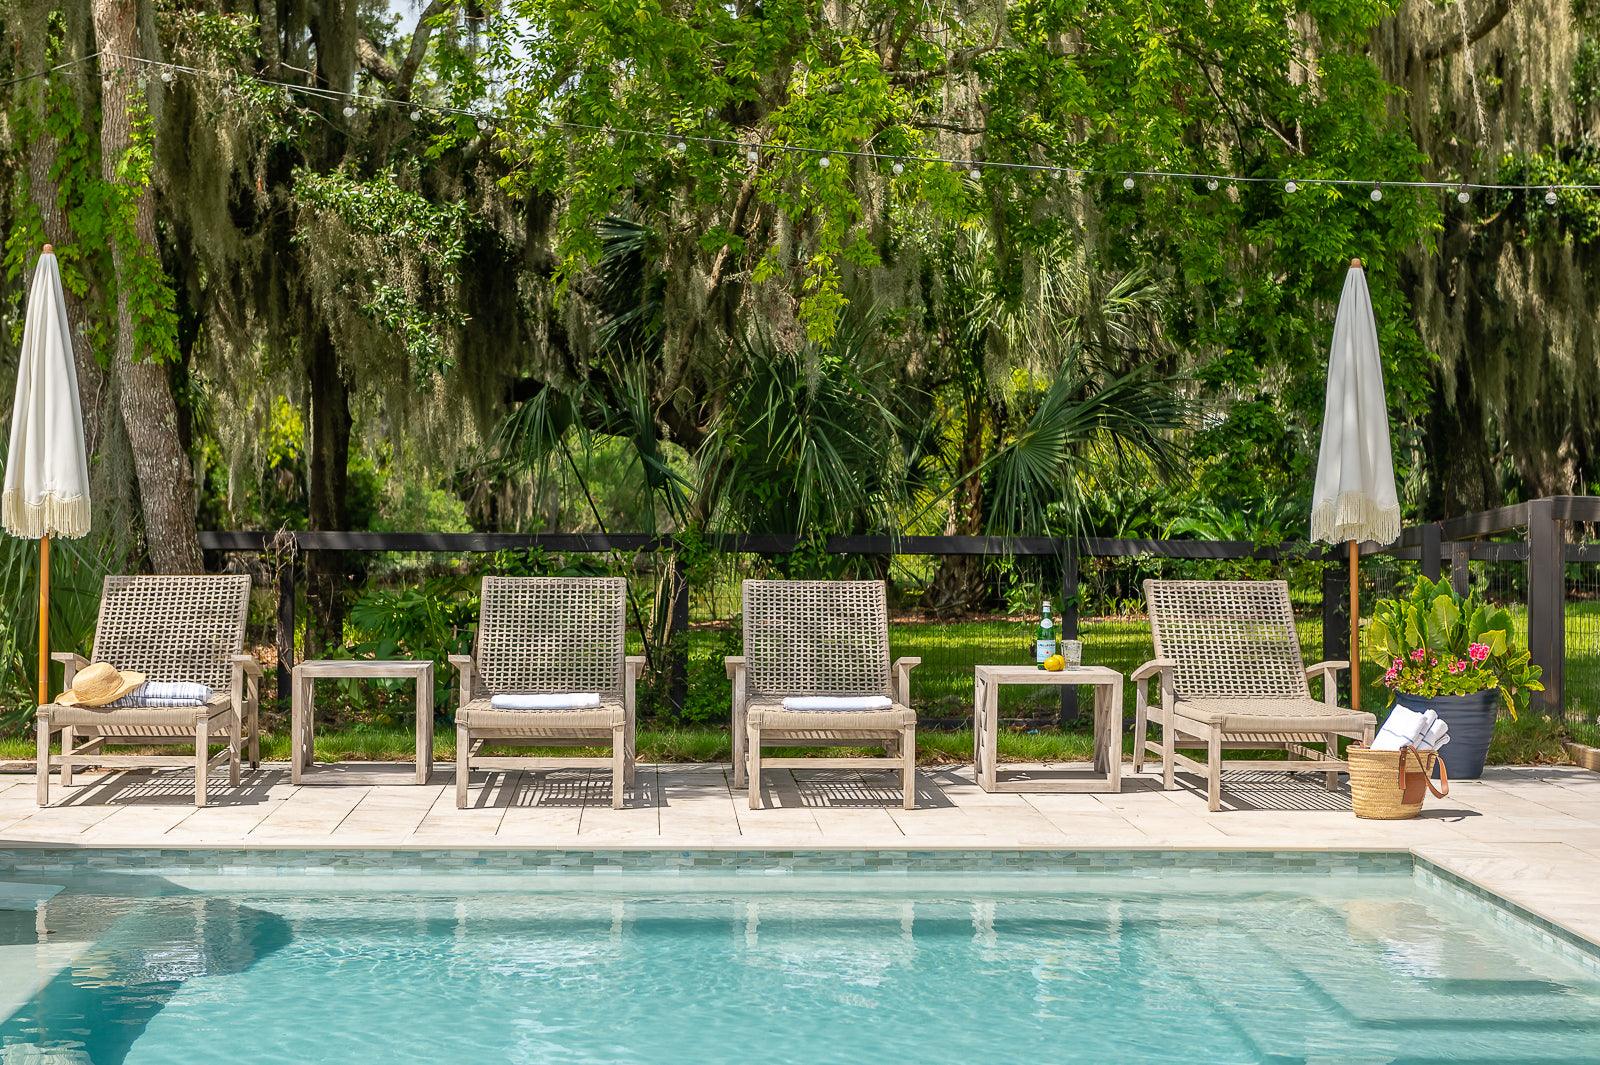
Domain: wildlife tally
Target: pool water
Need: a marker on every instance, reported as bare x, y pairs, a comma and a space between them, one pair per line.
1225, 965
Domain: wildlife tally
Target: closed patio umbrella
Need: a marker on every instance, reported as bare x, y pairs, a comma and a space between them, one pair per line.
47, 473
1355, 498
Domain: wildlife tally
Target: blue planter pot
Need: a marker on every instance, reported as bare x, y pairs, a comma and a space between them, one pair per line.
1470, 719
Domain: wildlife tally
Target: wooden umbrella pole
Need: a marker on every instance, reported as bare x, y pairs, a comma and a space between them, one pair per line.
1355, 627
44, 620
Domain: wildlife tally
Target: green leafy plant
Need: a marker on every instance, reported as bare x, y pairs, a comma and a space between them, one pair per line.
1438, 642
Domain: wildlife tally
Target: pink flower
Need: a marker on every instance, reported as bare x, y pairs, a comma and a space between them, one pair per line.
1478, 652
1418, 655
1397, 664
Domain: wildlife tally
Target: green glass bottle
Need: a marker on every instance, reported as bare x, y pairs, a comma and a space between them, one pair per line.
1044, 641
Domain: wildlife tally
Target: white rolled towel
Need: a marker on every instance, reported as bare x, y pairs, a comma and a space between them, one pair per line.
1437, 736
1403, 728
837, 703
546, 701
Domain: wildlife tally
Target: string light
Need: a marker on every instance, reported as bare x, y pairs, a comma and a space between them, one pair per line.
1461, 190
349, 111
753, 155
975, 174
824, 162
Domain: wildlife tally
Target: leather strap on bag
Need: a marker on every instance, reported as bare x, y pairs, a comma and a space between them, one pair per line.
1422, 767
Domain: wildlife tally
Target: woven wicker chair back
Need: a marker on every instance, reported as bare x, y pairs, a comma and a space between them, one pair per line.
180, 629
816, 637
552, 634
1229, 639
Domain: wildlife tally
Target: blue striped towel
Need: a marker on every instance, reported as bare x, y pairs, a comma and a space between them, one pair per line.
166, 693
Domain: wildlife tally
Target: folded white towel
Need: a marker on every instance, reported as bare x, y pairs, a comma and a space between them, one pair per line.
1437, 736
166, 693
546, 701
845, 703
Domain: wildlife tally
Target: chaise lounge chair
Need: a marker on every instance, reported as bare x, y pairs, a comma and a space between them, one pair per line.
1231, 675
172, 629
819, 638
549, 635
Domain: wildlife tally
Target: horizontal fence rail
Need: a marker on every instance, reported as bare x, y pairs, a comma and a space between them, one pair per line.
1541, 548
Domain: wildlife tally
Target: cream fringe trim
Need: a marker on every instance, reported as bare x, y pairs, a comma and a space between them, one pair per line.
1355, 516
68, 518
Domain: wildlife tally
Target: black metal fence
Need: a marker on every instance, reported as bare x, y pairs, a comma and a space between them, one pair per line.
1529, 556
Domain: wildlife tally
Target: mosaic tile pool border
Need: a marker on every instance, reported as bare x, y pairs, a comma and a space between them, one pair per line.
756, 862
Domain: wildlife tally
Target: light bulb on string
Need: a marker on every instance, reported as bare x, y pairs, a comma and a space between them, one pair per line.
681, 147
349, 111
1127, 184
753, 155
975, 174
611, 140
825, 162
483, 124
898, 167
166, 76
416, 116
1550, 196
1462, 195
1291, 187
1211, 184
1376, 194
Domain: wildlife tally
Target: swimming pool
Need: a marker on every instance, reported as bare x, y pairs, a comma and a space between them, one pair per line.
704, 957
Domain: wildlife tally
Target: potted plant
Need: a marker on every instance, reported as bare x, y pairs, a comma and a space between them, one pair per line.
1454, 655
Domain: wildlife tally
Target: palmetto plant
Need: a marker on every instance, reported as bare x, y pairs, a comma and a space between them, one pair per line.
808, 439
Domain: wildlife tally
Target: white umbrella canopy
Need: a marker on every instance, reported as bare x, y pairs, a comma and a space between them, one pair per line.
1354, 498
46, 489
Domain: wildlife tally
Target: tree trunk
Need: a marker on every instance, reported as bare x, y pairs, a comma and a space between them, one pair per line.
327, 490
958, 586
144, 394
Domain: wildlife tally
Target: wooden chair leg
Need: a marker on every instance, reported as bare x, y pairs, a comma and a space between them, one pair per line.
908, 771
631, 741
1169, 750
1331, 780
42, 767
235, 749
753, 756
1214, 771
619, 767
741, 777
67, 740
202, 760
463, 765
1141, 720
255, 733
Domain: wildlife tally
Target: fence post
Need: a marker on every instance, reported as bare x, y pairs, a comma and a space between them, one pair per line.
285, 627
1432, 536
1546, 601
1460, 567
1069, 627
1336, 613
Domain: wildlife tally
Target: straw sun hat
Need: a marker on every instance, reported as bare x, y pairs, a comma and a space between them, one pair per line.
99, 684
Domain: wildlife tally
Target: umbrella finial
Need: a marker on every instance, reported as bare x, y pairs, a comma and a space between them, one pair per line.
1355, 264
49, 249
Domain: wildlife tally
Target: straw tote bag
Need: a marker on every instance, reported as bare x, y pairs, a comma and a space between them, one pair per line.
1391, 785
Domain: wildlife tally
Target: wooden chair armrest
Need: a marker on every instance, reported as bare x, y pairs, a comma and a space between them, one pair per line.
71, 662
1151, 668
469, 677
1332, 666
734, 664
902, 679
1329, 672
248, 663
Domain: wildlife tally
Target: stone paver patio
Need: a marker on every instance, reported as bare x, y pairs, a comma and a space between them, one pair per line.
1531, 835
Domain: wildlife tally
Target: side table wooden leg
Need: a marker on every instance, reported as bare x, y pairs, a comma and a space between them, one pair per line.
1114, 732
991, 735
978, 686
424, 725
297, 713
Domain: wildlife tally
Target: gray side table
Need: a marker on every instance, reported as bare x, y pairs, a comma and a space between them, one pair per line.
306, 675
1107, 684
